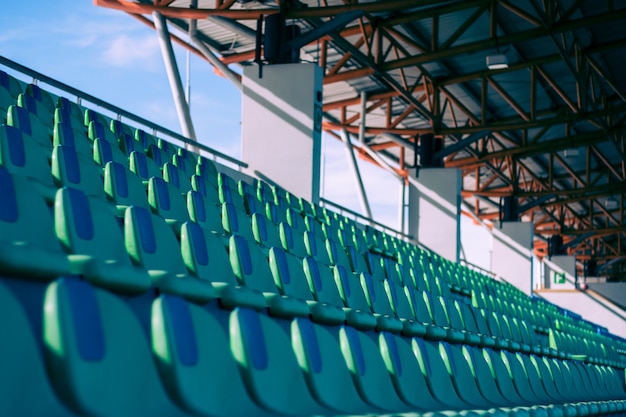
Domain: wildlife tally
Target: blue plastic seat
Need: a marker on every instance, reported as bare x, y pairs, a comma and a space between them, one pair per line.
68, 169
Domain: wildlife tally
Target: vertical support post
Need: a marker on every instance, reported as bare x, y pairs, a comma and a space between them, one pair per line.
365, 206
363, 118
173, 76
402, 206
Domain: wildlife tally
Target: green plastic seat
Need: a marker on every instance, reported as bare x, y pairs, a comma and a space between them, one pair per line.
94, 116
124, 188
96, 129
65, 134
290, 278
28, 245
192, 351
177, 177
322, 284
27, 390
36, 108
93, 339
379, 304
407, 377
227, 191
204, 213
292, 240
88, 229
6, 100
252, 269
265, 232
40, 95
120, 128
236, 222
21, 155
68, 169
206, 258
369, 371
402, 309
268, 364
10, 84
315, 245
144, 167
151, 244
21, 119
325, 370
104, 152
145, 139
69, 112
206, 187
353, 297
167, 202
486, 379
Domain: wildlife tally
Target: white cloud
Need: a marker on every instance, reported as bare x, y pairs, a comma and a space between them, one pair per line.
127, 51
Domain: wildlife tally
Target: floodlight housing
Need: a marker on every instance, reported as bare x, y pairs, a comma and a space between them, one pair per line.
497, 61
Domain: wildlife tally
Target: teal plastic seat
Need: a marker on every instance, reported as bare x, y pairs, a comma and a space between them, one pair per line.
207, 169
28, 245
10, 84
192, 352
36, 108
123, 188
65, 134
21, 155
88, 229
104, 152
41, 96
167, 202
369, 372
268, 365
120, 128
27, 390
145, 139
292, 240
93, 340
354, 299
177, 177
325, 370
206, 187
21, 119
206, 258
68, 169
96, 129
265, 232
402, 309
236, 222
151, 244
486, 380
94, 116
204, 213
144, 167
69, 112
379, 304
315, 245
252, 269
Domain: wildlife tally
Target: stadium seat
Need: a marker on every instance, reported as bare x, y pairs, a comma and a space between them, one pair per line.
325, 370
41, 95
74, 111
268, 364
21, 155
144, 167
21, 119
236, 222
37, 109
177, 177
192, 352
26, 387
65, 134
265, 232
329, 308
252, 269
68, 169
94, 340
151, 244
10, 84
145, 139
100, 130
123, 188
28, 245
292, 240
206, 258
104, 152
120, 128
316, 247
204, 213
166, 201
369, 371
88, 229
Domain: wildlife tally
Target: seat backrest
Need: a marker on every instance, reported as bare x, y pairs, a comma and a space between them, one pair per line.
288, 274
321, 282
204, 213
250, 265
68, 169
166, 200
123, 187
21, 155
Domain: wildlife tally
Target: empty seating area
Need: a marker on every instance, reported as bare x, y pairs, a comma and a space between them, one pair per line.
138, 278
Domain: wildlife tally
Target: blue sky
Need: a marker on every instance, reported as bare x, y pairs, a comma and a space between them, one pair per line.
114, 57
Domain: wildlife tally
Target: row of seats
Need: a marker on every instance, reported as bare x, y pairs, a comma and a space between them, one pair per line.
160, 239
164, 356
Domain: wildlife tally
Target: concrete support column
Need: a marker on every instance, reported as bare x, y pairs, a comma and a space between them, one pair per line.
512, 250
435, 209
282, 125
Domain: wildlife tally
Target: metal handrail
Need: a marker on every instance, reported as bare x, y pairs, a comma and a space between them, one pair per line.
114, 109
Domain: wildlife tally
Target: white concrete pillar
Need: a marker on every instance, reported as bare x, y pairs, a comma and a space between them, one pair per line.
282, 125
512, 254
434, 210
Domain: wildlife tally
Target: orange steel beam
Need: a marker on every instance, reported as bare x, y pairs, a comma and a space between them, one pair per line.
183, 12
376, 130
357, 100
382, 146
348, 75
237, 58
374, 106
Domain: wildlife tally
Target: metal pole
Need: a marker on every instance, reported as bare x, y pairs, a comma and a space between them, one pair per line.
173, 76
402, 208
363, 110
365, 205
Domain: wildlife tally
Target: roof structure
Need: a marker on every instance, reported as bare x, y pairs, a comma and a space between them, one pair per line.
548, 129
